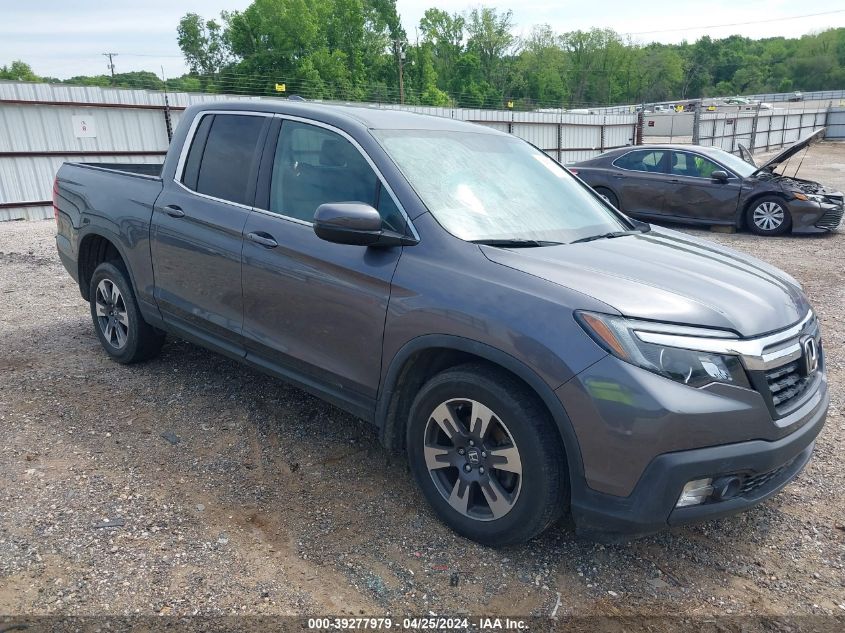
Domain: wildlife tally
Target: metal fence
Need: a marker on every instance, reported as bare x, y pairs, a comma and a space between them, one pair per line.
757, 129
761, 131
44, 125
812, 95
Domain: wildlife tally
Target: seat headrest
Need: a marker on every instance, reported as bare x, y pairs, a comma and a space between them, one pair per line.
336, 153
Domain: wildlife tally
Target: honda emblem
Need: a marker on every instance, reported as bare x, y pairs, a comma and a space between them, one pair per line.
811, 354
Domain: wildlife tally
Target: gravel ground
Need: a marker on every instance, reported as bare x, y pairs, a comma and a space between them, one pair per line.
230, 492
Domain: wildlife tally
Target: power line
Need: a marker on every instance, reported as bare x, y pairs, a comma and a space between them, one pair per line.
150, 55
717, 26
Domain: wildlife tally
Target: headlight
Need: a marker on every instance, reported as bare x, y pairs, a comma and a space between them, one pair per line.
618, 336
808, 196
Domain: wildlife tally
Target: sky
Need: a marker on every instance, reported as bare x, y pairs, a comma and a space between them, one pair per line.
63, 38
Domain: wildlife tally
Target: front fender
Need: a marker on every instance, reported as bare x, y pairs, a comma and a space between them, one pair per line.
392, 429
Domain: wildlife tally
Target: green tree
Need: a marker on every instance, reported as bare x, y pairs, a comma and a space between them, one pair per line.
202, 44
444, 33
490, 38
18, 71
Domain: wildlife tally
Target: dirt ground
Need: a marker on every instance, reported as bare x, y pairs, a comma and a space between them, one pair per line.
232, 493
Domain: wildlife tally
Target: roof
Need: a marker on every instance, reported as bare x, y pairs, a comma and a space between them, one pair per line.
701, 149
714, 152
370, 117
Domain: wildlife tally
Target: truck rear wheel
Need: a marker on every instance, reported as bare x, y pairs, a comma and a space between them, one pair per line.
487, 455
122, 331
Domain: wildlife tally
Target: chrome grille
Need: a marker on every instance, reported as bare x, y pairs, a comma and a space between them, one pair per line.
786, 384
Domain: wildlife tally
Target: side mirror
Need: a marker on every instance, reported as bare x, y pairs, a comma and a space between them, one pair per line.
355, 223
719, 175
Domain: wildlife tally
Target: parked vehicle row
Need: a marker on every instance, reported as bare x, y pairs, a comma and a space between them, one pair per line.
531, 348
706, 185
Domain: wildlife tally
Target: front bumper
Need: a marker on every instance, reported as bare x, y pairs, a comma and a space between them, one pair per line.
651, 506
643, 438
814, 217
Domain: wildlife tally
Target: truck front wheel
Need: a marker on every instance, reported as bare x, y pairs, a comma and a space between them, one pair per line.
487, 455
122, 331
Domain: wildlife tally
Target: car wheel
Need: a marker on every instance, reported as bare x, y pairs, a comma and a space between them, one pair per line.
487, 455
768, 216
608, 195
122, 331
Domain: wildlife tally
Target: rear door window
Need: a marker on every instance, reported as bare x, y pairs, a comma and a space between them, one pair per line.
224, 160
642, 160
192, 164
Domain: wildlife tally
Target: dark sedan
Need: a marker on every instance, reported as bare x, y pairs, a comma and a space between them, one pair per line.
706, 185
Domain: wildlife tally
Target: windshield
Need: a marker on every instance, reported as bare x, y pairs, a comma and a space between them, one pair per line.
734, 163
483, 186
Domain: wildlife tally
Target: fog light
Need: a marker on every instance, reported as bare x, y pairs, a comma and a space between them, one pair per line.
695, 492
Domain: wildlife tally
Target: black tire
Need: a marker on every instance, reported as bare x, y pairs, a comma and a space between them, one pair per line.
768, 215
122, 331
533, 500
608, 195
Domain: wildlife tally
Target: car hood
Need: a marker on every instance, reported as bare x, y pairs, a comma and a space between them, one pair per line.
668, 276
792, 184
790, 151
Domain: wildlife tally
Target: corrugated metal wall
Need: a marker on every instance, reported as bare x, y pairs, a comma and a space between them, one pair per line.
37, 133
835, 123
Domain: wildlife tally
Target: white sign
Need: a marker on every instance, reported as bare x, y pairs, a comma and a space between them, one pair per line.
84, 127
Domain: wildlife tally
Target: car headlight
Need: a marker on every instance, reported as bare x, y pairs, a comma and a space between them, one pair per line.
808, 196
620, 337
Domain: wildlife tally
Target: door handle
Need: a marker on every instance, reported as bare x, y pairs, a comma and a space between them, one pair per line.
265, 239
174, 211
619, 176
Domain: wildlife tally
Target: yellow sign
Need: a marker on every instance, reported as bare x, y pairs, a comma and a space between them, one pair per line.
510, 104
280, 87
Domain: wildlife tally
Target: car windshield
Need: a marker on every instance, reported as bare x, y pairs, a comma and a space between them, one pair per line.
483, 187
734, 163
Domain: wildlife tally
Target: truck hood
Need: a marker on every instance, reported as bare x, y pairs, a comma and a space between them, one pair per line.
668, 276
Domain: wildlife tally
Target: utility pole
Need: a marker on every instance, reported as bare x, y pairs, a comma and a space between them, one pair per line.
111, 63
400, 58
168, 124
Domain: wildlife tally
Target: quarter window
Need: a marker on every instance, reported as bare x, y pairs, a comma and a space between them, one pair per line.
314, 166
222, 157
642, 160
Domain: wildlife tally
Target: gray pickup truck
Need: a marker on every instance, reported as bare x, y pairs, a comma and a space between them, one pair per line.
534, 351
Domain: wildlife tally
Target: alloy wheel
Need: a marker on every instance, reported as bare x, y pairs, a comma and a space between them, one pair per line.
768, 216
111, 314
472, 459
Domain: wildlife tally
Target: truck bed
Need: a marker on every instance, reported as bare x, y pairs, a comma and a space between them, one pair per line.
112, 200
138, 169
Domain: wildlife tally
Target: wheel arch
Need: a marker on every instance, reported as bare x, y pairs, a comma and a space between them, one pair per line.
95, 247
610, 189
423, 357
742, 216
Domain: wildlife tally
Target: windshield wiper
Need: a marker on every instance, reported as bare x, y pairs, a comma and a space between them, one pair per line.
608, 236
515, 243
